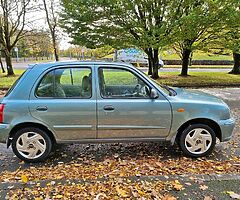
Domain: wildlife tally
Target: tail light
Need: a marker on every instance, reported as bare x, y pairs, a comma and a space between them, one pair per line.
1, 112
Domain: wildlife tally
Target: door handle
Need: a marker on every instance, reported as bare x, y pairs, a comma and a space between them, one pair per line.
42, 108
108, 108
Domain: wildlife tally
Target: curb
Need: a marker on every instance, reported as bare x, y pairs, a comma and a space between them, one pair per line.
183, 178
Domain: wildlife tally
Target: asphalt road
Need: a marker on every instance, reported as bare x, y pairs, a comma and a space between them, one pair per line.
24, 65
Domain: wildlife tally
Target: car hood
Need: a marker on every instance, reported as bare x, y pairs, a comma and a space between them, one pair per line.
194, 95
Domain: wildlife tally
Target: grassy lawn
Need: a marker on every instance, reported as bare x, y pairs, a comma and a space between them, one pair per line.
196, 79
6, 82
199, 79
201, 66
197, 56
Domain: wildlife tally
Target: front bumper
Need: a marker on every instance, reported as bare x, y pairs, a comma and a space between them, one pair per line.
226, 127
4, 132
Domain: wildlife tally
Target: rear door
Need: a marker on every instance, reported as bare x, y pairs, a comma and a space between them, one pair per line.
65, 101
125, 109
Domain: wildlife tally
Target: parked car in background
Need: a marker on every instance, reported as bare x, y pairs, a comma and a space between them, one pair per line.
98, 102
135, 57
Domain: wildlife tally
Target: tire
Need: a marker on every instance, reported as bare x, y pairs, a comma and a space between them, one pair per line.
197, 140
31, 144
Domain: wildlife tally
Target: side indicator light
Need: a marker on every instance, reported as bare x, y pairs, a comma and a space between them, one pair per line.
180, 110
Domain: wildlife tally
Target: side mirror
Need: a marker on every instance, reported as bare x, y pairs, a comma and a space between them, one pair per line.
154, 94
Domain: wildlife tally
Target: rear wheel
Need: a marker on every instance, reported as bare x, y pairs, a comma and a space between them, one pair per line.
31, 144
197, 140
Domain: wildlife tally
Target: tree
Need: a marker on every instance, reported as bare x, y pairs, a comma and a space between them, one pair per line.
230, 36
12, 23
3, 70
50, 7
126, 23
200, 24
35, 43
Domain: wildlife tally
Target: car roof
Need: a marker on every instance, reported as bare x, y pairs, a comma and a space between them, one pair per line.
73, 63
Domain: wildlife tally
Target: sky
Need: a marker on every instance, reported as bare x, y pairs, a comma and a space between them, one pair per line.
37, 20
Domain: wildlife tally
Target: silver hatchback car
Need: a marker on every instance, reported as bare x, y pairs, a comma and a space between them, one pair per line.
98, 102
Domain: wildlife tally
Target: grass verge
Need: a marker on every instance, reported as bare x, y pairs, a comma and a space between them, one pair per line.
6, 82
199, 79
201, 66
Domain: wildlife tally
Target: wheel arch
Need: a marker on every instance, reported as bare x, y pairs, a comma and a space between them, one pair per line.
30, 124
211, 123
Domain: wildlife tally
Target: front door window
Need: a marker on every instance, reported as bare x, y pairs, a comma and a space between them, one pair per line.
121, 83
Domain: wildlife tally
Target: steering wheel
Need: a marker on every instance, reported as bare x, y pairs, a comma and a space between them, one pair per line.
140, 90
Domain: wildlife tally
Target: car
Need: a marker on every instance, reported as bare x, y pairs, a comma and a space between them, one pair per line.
135, 57
99, 102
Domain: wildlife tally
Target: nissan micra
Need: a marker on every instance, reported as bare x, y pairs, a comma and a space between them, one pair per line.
98, 102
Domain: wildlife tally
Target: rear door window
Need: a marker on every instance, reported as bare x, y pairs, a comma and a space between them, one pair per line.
66, 83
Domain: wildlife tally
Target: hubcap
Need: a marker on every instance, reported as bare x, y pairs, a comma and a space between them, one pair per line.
31, 145
198, 141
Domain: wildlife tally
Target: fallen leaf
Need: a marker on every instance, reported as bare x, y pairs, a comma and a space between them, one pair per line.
233, 195
220, 168
203, 187
121, 192
24, 178
169, 197
177, 185
207, 198
151, 168
59, 196
229, 192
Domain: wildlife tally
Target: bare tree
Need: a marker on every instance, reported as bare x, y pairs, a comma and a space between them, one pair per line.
12, 23
3, 70
52, 20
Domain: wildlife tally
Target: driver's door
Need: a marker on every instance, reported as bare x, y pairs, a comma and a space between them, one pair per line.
125, 108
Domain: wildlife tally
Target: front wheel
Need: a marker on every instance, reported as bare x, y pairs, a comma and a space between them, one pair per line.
197, 140
31, 144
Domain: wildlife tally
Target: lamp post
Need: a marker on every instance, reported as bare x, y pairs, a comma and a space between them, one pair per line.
16, 50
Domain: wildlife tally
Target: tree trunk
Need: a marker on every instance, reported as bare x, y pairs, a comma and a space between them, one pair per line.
185, 61
190, 58
155, 64
149, 53
3, 70
236, 67
8, 58
150, 66
55, 47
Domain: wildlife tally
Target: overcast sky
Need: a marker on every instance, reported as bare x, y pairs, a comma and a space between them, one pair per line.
37, 20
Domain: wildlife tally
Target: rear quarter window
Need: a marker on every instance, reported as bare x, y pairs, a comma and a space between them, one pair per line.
14, 84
